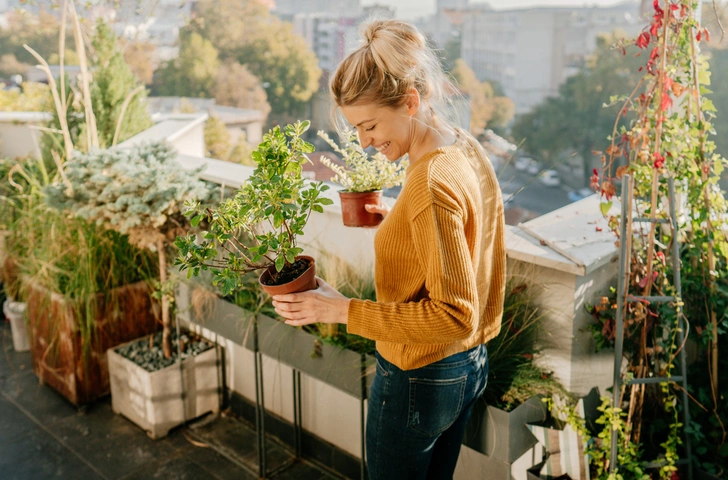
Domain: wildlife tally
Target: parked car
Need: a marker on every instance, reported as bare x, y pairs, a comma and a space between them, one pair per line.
550, 178
533, 167
576, 195
522, 163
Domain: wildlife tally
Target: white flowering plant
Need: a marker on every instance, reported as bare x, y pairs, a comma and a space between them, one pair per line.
362, 173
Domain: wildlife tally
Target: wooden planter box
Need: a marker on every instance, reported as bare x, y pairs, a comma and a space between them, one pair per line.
159, 401
503, 435
62, 360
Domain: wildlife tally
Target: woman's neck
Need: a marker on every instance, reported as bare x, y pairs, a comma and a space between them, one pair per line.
427, 138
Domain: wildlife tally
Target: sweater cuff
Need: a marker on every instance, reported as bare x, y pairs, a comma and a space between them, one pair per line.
355, 316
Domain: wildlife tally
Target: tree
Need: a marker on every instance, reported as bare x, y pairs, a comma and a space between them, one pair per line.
193, 73
140, 58
114, 83
486, 109
576, 119
244, 31
70, 57
218, 144
39, 31
217, 139
235, 86
31, 97
9, 65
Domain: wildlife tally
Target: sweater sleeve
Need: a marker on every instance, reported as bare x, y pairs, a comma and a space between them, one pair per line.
449, 314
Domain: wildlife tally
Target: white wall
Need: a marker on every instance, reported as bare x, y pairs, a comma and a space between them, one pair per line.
19, 139
192, 142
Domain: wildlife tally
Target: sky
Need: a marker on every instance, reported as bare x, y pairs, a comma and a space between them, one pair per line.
411, 9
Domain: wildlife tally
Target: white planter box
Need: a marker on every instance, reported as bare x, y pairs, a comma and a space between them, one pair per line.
154, 401
15, 312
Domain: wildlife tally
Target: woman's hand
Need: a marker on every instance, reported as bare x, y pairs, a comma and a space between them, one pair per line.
323, 305
382, 209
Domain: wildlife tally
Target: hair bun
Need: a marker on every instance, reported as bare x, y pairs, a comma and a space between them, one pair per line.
371, 29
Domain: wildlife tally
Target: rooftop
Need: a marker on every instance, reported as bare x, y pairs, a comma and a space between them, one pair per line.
44, 436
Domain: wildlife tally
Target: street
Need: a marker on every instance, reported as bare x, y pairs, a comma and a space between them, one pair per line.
525, 191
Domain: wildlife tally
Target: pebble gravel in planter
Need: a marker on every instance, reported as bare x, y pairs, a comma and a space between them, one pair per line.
152, 392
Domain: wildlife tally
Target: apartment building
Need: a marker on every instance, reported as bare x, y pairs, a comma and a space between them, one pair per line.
287, 9
329, 35
531, 52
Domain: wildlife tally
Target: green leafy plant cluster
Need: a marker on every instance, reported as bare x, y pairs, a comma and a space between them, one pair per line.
513, 377
631, 467
270, 211
138, 192
362, 173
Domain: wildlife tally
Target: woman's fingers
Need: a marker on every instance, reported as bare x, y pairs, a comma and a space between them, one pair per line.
382, 209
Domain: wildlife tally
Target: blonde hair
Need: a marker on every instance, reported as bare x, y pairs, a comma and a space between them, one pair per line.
393, 59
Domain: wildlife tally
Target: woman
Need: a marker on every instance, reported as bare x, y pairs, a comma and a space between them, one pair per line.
440, 259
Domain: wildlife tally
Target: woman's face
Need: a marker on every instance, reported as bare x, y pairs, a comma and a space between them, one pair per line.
385, 128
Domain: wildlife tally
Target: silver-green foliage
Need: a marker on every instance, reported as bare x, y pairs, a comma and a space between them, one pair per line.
136, 191
258, 227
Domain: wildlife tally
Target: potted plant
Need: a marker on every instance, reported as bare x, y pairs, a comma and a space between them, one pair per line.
257, 229
138, 192
512, 399
363, 179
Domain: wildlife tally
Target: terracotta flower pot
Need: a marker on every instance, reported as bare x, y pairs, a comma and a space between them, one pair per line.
353, 212
305, 282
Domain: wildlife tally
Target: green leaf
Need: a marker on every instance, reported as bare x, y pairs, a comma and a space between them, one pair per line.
290, 257
605, 207
280, 263
325, 201
278, 219
196, 220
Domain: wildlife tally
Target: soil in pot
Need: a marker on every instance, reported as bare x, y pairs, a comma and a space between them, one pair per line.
152, 359
353, 212
300, 278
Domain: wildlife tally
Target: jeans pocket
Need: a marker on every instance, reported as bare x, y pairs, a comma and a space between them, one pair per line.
435, 404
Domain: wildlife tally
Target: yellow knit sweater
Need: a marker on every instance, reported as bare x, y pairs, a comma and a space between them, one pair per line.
440, 261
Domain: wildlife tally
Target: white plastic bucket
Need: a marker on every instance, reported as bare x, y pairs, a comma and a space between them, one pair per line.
15, 312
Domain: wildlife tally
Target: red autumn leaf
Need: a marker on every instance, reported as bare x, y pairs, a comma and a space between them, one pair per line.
666, 102
659, 160
614, 151
608, 190
654, 53
643, 40
698, 37
654, 29
707, 35
599, 229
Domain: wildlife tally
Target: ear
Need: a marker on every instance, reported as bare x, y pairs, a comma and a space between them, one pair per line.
413, 101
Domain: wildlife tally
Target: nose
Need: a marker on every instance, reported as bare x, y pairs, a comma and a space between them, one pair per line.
364, 140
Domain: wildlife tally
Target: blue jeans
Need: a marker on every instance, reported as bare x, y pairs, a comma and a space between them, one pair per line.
416, 418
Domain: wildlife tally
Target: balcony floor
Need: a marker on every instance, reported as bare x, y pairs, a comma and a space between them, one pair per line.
43, 436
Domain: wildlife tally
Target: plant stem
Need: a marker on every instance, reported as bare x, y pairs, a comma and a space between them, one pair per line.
166, 329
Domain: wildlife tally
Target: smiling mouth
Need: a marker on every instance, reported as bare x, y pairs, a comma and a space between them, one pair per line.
381, 148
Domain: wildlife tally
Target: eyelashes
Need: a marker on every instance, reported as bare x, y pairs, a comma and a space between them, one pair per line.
370, 128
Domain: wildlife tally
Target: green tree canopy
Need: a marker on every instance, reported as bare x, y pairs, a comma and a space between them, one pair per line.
576, 119
193, 72
113, 83
235, 86
486, 109
245, 32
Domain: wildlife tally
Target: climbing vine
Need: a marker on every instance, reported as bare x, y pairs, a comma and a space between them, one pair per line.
668, 136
